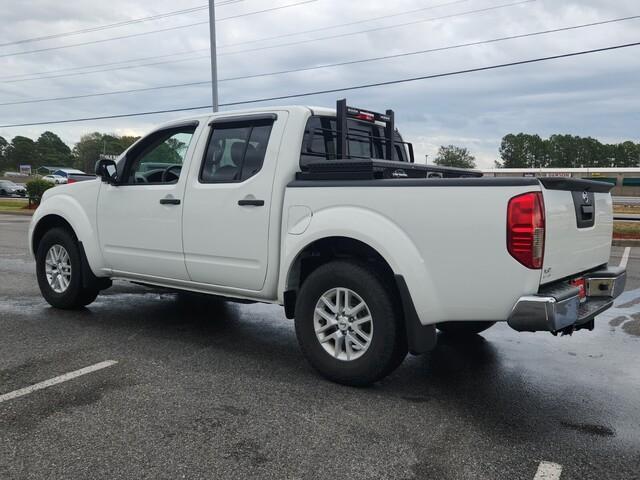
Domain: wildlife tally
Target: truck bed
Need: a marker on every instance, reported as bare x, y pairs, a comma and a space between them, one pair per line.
452, 232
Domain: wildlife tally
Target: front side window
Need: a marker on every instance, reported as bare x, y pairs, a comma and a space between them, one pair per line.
159, 159
235, 152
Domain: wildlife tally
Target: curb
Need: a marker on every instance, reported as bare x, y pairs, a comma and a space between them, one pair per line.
26, 213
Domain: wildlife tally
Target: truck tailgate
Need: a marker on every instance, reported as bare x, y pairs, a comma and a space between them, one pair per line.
579, 224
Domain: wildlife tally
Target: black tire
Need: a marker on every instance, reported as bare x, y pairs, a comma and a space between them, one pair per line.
463, 329
388, 345
3, 193
75, 295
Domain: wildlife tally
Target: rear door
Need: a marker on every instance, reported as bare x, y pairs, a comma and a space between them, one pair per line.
579, 224
228, 202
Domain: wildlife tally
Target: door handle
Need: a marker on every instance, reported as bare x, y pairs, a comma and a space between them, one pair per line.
169, 201
251, 202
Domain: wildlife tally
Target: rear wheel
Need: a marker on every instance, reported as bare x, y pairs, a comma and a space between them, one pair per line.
59, 271
463, 329
348, 325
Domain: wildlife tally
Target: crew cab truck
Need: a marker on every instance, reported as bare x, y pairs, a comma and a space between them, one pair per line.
324, 212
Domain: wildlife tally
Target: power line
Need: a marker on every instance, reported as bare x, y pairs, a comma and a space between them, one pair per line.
460, 14
330, 65
103, 94
18, 77
437, 75
376, 29
124, 67
10, 78
348, 24
431, 50
336, 90
117, 24
140, 34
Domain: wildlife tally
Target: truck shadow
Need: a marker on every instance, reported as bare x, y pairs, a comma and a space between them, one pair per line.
500, 396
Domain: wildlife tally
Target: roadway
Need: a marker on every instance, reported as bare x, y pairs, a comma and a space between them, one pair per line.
196, 388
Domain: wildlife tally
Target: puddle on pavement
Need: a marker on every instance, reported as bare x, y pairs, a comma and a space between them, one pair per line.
625, 313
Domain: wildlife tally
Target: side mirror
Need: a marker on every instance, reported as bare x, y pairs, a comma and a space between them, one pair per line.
107, 171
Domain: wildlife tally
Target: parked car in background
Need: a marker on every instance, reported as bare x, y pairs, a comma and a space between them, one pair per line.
72, 175
15, 174
57, 179
10, 189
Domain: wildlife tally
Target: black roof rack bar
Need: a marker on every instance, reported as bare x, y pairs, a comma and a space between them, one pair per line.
341, 129
389, 129
343, 111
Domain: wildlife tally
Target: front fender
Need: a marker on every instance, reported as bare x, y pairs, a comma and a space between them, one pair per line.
381, 234
81, 219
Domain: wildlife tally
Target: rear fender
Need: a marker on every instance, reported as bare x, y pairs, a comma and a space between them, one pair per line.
381, 234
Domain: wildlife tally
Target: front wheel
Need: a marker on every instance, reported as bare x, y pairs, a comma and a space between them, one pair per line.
463, 329
59, 271
348, 325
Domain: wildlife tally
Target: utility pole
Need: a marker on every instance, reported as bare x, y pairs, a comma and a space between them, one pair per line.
214, 61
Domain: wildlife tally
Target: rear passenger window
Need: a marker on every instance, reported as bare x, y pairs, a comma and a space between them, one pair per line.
235, 152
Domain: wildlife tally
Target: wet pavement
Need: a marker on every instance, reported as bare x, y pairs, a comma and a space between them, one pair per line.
207, 389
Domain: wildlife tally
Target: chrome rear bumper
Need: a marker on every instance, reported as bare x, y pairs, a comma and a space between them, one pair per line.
558, 308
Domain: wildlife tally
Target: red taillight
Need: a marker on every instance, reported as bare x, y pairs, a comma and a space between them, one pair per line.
525, 229
71, 180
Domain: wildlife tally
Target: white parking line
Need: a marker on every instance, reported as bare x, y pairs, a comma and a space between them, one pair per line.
625, 257
56, 380
548, 471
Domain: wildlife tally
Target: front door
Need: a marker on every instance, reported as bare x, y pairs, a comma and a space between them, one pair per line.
227, 206
140, 219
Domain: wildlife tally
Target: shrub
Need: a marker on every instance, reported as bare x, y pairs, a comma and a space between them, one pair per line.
36, 188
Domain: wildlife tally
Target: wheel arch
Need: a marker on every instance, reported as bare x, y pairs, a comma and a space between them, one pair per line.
322, 250
45, 224
420, 338
64, 211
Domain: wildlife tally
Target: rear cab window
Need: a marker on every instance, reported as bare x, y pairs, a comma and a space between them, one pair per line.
365, 140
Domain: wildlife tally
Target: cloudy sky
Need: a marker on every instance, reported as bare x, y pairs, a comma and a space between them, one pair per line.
592, 95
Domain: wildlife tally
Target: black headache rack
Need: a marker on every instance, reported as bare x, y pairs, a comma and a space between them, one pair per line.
353, 167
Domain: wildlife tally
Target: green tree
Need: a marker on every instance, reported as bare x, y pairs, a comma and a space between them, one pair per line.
87, 151
565, 151
626, 154
21, 151
523, 151
126, 142
52, 151
454, 156
3, 149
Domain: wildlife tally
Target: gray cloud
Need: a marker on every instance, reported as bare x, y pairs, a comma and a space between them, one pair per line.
590, 95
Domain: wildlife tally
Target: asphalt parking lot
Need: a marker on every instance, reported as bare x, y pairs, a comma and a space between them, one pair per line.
198, 388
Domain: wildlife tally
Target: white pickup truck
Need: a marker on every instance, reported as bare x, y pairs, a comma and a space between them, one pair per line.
324, 212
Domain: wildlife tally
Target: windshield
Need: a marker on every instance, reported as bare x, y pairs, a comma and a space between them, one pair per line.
7, 183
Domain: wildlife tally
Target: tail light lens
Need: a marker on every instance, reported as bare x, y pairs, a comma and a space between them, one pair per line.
525, 229
71, 180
